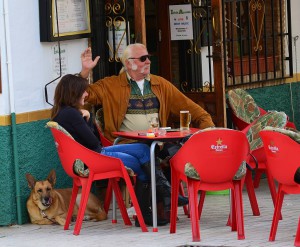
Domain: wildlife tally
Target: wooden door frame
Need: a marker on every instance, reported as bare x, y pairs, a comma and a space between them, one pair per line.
218, 96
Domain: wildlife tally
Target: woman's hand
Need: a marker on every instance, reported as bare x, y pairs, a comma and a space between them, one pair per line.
87, 62
85, 114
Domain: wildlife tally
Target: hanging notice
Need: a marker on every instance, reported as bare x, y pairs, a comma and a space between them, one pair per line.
181, 22
56, 68
63, 60
120, 41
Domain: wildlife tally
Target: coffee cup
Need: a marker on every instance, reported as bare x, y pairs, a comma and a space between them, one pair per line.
185, 120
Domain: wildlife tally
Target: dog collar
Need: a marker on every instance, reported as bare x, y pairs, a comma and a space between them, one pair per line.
44, 215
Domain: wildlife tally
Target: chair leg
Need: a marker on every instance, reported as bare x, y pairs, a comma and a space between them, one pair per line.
239, 209
174, 200
118, 194
232, 217
201, 202
257, 178
185, 207
135, 204
272, 188
251, 193
85, 191
193, 202
71, 206
108, 196
277, 214
297, 238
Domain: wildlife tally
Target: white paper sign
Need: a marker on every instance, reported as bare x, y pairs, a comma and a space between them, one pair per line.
181, 22
55, 60
120, 39
56, 68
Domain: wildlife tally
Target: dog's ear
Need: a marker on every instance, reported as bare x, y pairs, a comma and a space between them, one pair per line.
31, 180
52, 177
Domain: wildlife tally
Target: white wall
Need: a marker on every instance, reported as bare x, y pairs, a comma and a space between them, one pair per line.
295, 6
32, 60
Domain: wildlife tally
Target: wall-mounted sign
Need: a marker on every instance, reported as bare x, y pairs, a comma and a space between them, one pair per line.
72, 20
181, 22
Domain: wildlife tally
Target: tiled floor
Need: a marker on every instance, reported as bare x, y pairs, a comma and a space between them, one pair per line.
214, 231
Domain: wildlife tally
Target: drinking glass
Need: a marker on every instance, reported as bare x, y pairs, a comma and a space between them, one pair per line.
185, 120
154, 123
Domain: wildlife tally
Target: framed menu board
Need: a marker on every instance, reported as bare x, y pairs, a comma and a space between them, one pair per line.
64, 19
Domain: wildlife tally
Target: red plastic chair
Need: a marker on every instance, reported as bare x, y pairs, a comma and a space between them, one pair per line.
244, 110
99, 122
282, 161
273, 119
100, 167
216, 155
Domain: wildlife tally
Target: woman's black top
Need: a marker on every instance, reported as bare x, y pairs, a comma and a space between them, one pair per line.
71, 119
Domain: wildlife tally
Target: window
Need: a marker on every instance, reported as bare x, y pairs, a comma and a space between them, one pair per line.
257, 41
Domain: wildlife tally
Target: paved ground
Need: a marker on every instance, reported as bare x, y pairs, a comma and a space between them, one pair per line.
214, 231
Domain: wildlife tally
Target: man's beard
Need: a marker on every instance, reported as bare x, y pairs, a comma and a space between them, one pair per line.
143, 69
134, 67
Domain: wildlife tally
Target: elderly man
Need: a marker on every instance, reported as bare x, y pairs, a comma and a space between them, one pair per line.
132, 98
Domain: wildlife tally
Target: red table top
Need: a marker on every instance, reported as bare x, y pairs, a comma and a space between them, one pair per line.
142, 135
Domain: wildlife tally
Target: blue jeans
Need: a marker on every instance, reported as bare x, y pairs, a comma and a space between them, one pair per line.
132, 155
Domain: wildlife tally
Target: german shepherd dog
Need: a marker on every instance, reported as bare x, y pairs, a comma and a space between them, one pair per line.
47, 205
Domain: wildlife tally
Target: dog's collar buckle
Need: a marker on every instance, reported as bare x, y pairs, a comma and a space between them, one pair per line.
45, 216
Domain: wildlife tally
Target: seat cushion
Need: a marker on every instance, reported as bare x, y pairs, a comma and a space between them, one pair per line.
191, 172
273, 119
294, 134
243, 105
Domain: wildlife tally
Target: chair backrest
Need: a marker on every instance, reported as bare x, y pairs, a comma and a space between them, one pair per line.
215, 154
99, 122
243, 105
273, 119
282, 154
70, 151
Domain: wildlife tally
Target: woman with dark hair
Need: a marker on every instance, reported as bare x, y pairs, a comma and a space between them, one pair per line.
68, 112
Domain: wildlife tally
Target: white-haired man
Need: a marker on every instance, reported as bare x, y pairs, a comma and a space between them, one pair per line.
130, 99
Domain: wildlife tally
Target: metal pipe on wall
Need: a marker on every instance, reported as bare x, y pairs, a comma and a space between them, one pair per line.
12, 108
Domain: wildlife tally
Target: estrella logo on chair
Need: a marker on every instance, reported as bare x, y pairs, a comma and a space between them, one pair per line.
273, 148
219, 147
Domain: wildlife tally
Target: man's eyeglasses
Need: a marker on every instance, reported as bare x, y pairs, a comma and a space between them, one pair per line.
142, 58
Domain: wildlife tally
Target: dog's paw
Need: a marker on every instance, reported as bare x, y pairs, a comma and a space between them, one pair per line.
86, 218
61, 221
74, 217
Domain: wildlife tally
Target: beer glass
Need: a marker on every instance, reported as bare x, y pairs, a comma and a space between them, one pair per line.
154, 124
185, 120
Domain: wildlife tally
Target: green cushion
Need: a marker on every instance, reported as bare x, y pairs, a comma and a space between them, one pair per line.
295, 135
243, 105
273, 119
191, 172
99, 119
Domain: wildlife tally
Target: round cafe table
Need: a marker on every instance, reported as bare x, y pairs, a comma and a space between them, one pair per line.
170, 136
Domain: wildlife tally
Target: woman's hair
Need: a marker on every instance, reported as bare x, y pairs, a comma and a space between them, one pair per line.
68, 92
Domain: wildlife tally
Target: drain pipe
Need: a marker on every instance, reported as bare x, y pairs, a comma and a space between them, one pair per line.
12, 110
